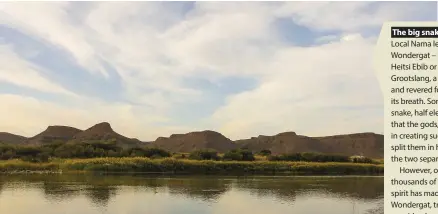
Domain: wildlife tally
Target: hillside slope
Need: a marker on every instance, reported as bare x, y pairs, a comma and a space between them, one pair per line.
367, 144
9, 138
195, 141
53, 133
104, 132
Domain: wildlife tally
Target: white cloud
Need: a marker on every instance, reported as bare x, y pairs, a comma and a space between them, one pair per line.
351, 16
307, 92
19, 72
154, 47
51, 22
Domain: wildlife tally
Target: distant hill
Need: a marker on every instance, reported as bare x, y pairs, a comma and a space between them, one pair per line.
53, 133
287, 142
99, 132
103, 131
367, 144
6, 137
195, 141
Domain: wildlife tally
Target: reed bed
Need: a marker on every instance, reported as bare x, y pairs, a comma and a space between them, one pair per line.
184, 166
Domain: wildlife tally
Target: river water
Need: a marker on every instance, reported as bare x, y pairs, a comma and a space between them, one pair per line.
140, 194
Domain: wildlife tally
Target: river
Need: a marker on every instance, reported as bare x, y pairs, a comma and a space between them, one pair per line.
141, 194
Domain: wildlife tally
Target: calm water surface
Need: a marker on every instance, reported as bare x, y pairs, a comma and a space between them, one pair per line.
93, 194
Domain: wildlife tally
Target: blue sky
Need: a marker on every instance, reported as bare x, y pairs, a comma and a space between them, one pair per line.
152, 69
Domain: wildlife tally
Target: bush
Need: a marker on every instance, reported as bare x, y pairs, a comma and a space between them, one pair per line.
6, 155
112, 153
7, 152
228, 156
204, 155
310, 157
155, 152
43, 157
27, 151
136, 152
179, 156
239, 155
265, 152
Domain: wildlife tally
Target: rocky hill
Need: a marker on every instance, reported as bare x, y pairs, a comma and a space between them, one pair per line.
287, 142
195, 141
367, 144
6, 137
99, 132
53, 133
104, 131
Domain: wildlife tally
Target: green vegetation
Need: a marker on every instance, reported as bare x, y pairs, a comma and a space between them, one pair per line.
265, 152
318, 157
109, 157
206, 154
80, 150
184, 166
239, 155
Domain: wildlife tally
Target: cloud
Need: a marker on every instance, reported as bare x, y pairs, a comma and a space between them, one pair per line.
353, 16
159, 49
19, 72
51, 22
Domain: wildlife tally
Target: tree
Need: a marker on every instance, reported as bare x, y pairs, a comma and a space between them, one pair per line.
205, 154
239, 155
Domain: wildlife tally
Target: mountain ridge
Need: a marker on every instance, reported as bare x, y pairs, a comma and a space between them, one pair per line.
364, 143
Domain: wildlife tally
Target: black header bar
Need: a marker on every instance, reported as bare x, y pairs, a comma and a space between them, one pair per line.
414, 32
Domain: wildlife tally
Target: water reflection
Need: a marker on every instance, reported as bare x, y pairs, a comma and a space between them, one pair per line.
287, 188
100, 195
195, 194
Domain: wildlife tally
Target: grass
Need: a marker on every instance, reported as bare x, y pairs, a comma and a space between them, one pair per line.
19, 165
184, 166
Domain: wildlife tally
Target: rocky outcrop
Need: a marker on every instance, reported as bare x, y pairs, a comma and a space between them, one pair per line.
104, 131
287, 142
53, 133
367, 144
195, 141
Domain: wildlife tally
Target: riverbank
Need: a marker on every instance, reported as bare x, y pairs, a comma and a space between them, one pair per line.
182, 166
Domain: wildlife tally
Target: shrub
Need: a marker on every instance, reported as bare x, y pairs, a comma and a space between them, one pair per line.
204, 155
232, 156
27, 151
265, 152
43, 157
179, 156
112, 153
150, 152
6, 155
136, 152
310, 157
239, 155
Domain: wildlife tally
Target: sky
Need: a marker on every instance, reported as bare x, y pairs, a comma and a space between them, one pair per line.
152, 69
